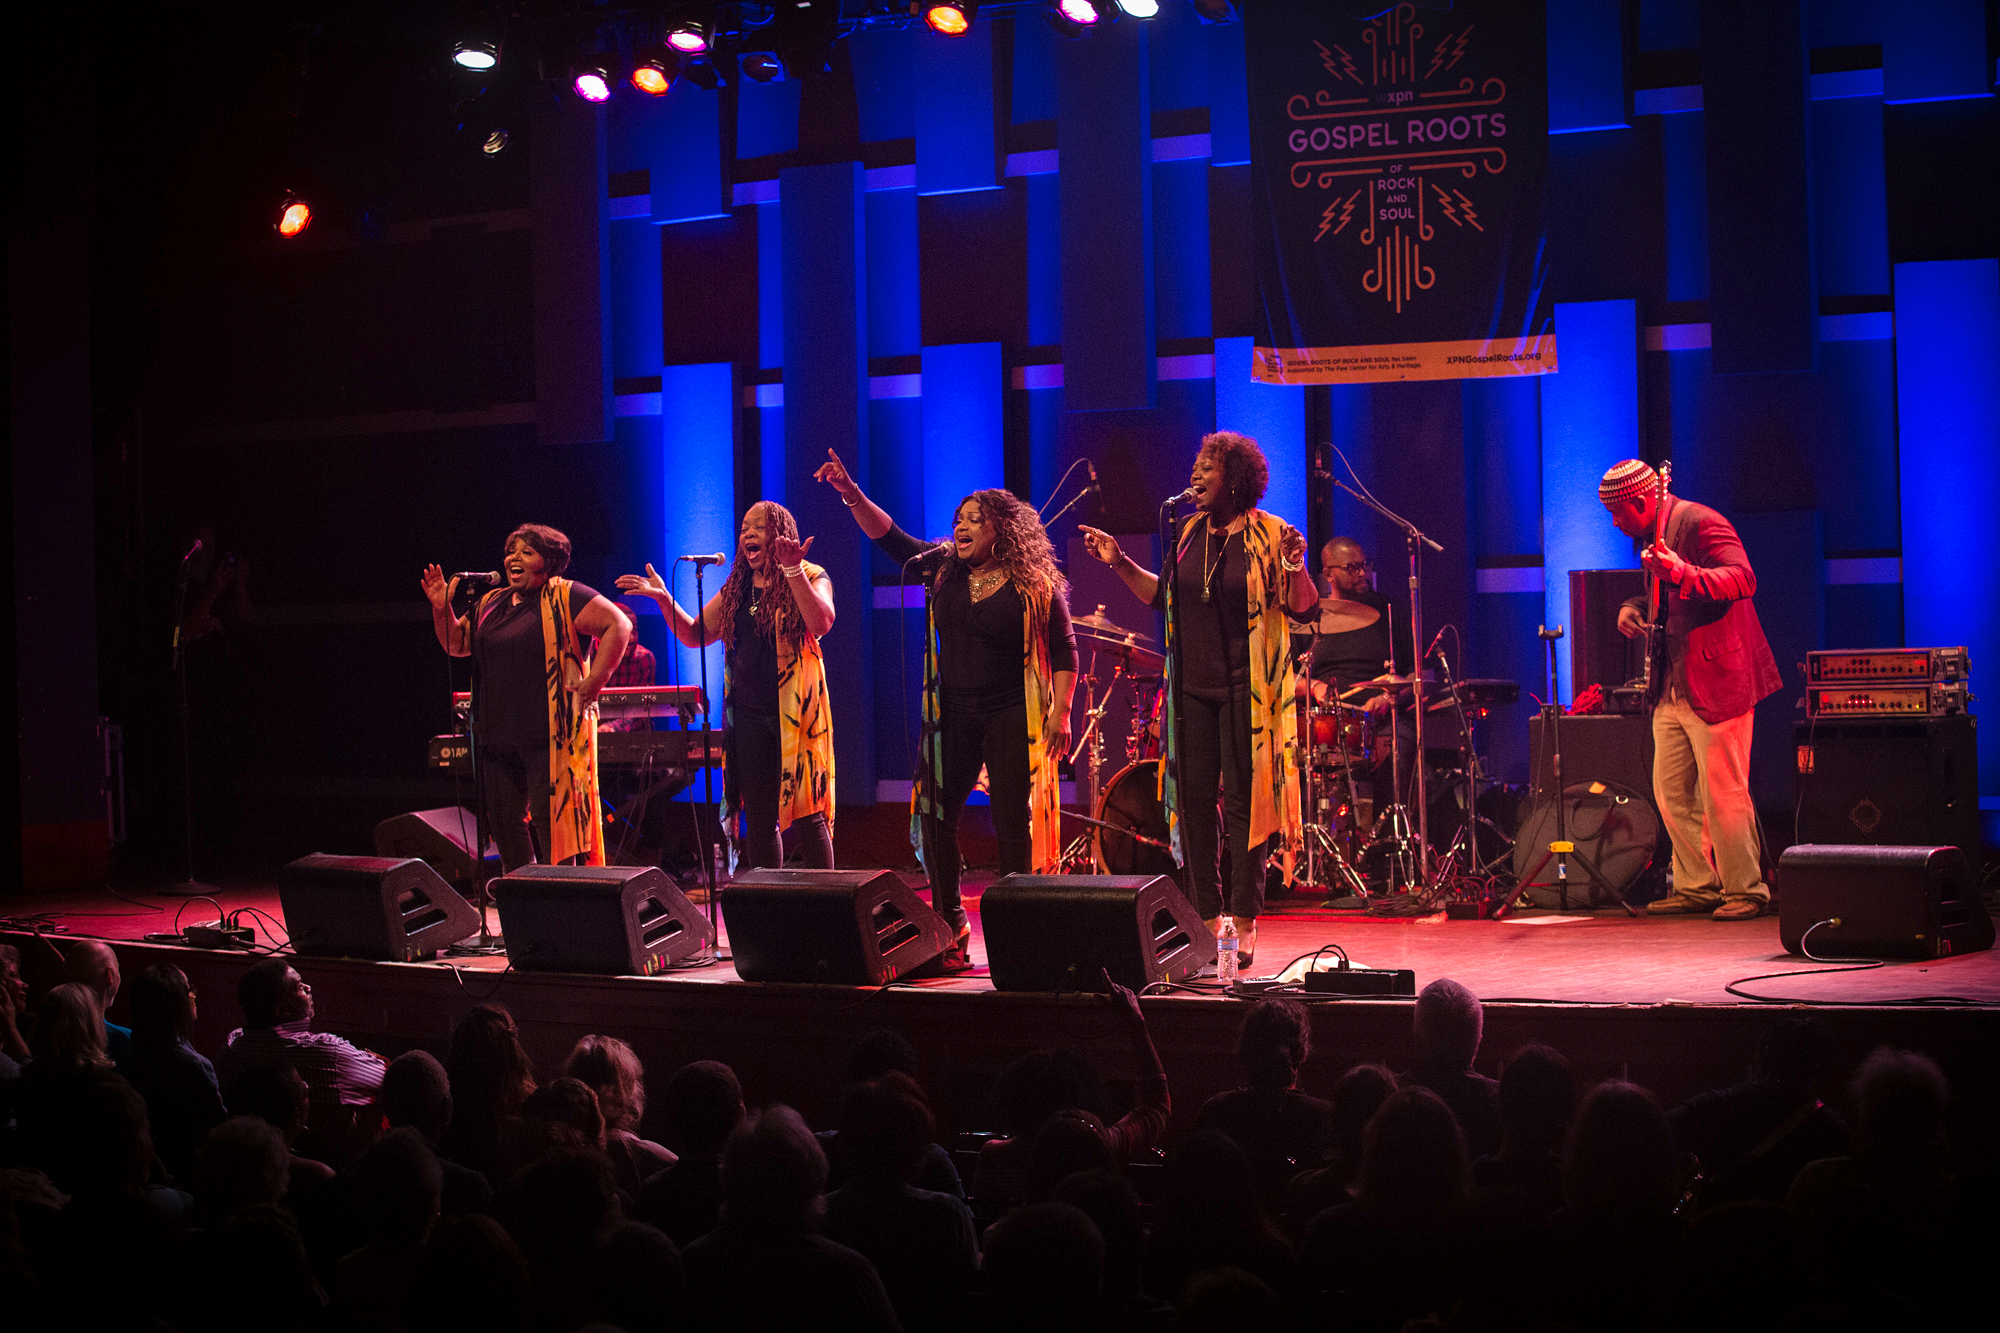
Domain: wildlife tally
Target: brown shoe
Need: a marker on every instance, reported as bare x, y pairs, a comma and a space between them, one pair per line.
1676, 904
1740, 908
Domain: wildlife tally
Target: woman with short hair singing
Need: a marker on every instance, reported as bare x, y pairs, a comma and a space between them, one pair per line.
535, 695
1239, 578
999, 669
769, 615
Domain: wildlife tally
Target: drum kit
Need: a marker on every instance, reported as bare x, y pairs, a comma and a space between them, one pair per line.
1358, 845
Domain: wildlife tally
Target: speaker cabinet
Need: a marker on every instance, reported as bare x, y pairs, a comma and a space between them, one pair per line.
442, 837
1053, 932
1890, 782
841, 927
1616, 826
371, 907
621, 921
1598, 653
1880, 902
1601, 747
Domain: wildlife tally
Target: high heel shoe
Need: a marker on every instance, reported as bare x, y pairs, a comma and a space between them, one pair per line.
957, 956
1246, 943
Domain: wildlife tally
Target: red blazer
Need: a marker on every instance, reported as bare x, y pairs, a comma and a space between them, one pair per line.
1713, 635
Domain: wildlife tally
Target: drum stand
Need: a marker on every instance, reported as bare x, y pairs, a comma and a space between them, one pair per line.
1078, 853
1466, 841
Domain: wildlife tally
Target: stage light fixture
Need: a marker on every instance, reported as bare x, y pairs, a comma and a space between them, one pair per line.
591, 83
294, 216
495, 142
652, 78
704, 73
476, 56
689, 37
1140, 9
763, 67
1082, 13
953, 18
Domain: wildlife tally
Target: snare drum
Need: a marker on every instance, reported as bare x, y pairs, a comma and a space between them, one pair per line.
1337, 725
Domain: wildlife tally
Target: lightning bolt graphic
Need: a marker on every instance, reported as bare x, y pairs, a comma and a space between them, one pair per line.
1347, 215
1457, 45
1347, 69
1471, 218
1444, 202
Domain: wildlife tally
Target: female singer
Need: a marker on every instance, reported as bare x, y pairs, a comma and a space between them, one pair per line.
535, 696
999, 668
778, 730
1239, 576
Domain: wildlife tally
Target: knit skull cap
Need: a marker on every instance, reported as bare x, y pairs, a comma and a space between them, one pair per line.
1625, 480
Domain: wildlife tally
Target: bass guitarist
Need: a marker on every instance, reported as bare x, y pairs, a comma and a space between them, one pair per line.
1716, 668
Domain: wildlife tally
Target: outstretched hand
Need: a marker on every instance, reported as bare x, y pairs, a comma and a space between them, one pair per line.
834, 473
649, 584
437, 587
787, 552
1101, 544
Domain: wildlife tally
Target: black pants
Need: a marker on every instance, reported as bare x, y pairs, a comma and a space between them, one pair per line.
1215, 752
971, 736
515, 782
757, 751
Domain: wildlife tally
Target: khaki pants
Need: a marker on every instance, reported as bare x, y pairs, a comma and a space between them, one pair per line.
1701, 780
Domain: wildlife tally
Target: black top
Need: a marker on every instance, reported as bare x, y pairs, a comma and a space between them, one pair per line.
1355, 655
512, 668
1214, 635
980, 654
753, 659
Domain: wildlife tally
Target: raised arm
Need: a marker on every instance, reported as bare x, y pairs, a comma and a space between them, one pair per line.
874, 519
604, 620
1144, 585
1301, 593
814, 596
650, 584
454, 633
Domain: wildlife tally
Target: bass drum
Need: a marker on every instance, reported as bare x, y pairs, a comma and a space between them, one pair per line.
1131, 800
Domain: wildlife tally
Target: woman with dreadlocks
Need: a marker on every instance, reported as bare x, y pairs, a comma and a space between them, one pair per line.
778, 733
999, 668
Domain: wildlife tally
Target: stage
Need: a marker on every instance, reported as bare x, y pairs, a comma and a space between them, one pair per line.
1639, 998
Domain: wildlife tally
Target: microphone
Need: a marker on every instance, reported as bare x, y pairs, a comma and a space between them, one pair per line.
1434, 643
1184, 496
489, 577
1093, 477
700, 560
191, 550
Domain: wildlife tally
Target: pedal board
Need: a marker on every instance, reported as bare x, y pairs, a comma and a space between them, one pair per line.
1361, 981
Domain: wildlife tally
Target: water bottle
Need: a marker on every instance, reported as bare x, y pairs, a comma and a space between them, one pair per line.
721, 862
1225, 953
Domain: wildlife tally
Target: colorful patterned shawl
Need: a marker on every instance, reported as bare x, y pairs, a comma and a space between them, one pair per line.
1274, 774
576, 825
805, 730
1038, 683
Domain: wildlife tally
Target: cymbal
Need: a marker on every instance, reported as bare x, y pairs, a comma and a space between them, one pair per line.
1380, 682
1339, 617
1099, 623
1139, 660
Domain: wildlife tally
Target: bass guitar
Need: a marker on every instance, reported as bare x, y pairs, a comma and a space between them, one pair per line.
1653, 680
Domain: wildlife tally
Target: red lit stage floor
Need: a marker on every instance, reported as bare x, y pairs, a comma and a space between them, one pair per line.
1622, 997
1582, 957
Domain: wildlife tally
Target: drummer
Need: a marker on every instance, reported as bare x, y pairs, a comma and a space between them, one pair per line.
1355, 641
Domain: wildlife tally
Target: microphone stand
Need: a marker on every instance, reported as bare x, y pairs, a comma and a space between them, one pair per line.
1415, 539
490, 942
714, 945
190, 887
1170, 559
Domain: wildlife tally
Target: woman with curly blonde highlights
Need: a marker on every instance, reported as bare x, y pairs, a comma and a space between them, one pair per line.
778, 724
999, 668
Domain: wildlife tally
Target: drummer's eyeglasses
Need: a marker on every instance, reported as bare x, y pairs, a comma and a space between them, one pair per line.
1352, 567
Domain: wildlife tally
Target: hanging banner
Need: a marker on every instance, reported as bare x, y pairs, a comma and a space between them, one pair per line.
1397, 165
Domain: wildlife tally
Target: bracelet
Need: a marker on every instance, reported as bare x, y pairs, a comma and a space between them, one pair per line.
1298, 568
792, 571
849, 503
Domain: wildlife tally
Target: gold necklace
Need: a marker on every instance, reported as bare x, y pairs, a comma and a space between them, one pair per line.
983, 583
1208, 573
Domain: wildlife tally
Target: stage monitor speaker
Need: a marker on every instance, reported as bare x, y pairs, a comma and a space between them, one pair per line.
620, 921
1600, 747
840, 927
1598, 653
1053, 932
1880, 902
442, 837
1889, 781
395, 908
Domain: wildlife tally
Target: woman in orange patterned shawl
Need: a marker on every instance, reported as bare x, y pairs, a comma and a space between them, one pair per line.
535, 696
999, 669
1239, 579
769, 614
